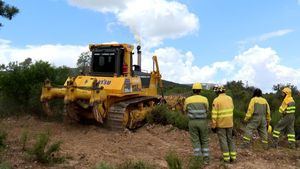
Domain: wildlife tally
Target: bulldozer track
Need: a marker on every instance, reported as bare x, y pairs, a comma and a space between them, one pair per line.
117, 111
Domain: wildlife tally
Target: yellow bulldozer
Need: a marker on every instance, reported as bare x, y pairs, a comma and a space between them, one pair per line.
115, 93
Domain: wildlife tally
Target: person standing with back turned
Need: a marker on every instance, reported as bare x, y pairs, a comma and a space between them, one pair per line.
222, 123
196, 107
287, 109
258, 118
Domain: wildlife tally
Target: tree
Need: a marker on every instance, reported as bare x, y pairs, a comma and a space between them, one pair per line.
2, 67
21, 83
84, 62
278, 88
7, 11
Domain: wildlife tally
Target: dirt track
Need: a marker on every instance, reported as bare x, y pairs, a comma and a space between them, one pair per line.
87, 145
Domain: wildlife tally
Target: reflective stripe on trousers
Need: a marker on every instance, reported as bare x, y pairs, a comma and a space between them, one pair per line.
226, 156
291, 138
205, 152
276, 134
233, 155
246, 138
197, 152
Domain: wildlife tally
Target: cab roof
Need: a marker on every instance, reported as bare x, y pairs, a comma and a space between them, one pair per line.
127, 47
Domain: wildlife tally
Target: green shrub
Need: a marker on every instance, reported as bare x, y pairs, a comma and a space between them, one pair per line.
174, 162
5, 165
135, 165
3, 136
238, 115
195, 163
43, 153
180, 121
162, 115
23, 139
20, 85
158, 115
103, 165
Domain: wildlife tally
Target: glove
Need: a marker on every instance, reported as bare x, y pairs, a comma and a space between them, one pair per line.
214, 130
246, 119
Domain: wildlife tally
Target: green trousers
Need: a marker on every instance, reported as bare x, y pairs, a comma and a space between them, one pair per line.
259, 123
285, 124
227, 144
198, 130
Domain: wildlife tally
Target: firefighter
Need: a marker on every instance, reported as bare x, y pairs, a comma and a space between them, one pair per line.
222, 123
196, 107
286, 123
258, 118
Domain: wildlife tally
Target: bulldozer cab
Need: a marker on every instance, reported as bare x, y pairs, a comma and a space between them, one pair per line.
110, 60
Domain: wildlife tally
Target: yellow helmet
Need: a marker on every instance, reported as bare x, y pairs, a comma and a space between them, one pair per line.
269, 129
197, 86
287, 91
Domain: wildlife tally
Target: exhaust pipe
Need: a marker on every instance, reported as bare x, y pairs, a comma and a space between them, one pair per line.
139, 55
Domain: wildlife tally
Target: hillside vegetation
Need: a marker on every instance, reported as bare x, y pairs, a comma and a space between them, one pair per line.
20, 89
23, 144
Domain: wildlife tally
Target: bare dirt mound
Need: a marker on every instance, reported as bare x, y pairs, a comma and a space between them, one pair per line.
87, 145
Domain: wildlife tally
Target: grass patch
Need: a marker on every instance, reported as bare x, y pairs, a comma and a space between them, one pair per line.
24, 139
5, 165
3, 136
103, 165
195, 163
135, 165
126, 165
174, 162
44, 153
162, 115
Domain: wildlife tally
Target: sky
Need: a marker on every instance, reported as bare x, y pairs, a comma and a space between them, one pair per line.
215, 41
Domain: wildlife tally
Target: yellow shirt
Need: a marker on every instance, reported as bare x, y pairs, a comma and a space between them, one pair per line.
222, 111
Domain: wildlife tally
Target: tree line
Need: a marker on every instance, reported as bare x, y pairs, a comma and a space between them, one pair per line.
20, 89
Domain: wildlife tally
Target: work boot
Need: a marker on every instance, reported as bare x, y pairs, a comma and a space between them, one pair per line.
226, 161
245, 145
232, 160
223, 160
292, 146
265, 146
206, 160
275, 143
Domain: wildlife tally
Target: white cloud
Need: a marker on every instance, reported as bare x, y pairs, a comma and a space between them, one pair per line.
256, 66
261, 67
151, 21
103, 6
264, 37
274, 34
54, 54
178, 66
